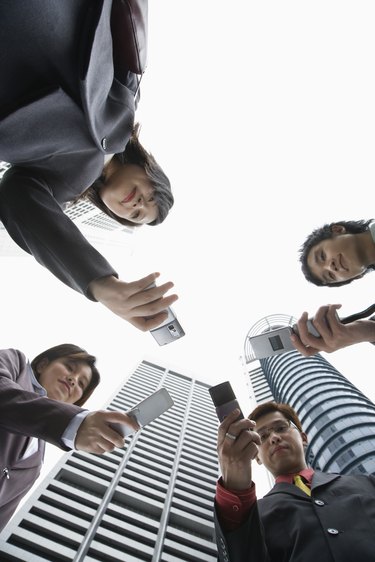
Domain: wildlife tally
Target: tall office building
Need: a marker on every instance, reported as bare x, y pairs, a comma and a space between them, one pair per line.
337, 417
150, 501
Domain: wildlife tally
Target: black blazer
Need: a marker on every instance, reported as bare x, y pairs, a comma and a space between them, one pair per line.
58, 138
337, 524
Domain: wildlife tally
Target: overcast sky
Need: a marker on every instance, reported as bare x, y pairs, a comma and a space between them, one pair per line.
262, 114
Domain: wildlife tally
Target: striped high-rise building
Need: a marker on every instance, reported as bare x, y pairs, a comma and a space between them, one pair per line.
149, 501
337, 417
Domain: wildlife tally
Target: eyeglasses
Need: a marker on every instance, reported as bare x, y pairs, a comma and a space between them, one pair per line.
280, 428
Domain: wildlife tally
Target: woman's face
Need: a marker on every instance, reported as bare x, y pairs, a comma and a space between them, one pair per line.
128, 193
336, 259
64, 380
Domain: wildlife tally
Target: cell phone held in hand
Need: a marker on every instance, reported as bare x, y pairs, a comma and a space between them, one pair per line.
277, 341
170, 330
146, 411
224, 399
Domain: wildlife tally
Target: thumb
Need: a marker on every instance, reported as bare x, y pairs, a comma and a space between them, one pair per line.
122, 418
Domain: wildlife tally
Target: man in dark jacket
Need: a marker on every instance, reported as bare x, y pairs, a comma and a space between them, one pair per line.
307, 516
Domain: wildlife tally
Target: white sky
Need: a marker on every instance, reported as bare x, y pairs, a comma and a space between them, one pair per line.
263, 116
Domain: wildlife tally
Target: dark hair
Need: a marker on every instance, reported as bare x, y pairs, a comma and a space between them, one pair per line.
134, 153
270, 407
325, 233
75, 354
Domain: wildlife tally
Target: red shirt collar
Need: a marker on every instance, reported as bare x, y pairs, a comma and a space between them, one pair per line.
307, 474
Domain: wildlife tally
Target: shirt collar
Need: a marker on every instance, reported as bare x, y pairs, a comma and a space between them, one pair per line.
38, 388
307, 474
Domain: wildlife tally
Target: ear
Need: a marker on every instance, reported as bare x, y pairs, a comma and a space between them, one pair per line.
42, 365
304, 439
338, 229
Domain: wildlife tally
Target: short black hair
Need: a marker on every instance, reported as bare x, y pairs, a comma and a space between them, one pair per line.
325, 233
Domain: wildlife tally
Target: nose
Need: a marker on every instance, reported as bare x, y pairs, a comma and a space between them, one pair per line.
275, 437
139, 202
333, 265
71, 380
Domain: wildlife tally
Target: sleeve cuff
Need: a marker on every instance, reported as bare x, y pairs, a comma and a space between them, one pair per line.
233, 506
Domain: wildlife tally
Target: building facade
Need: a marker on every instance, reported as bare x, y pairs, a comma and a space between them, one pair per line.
338, 418
149, 501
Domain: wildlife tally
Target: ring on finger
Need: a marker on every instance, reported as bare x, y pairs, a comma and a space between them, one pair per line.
231, 436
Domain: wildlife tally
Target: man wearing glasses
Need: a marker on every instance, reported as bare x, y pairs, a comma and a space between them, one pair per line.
308, 516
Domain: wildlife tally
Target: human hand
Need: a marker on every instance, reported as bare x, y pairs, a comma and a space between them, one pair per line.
95, 435
235, 455
144, 309
334, 334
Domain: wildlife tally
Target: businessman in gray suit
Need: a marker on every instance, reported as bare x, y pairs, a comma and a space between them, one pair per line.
307, 516
67, 125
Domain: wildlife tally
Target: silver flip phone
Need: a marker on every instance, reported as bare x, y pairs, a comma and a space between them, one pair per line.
277, 341
272, 343
170, 330
146, 411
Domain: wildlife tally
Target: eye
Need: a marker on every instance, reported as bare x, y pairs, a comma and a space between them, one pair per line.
69, 366
322, 256
135, 215
151, 199
281, 428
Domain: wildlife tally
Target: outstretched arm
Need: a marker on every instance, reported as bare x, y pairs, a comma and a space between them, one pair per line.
334, 334
39, 226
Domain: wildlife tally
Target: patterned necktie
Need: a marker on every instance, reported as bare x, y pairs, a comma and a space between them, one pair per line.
300, 484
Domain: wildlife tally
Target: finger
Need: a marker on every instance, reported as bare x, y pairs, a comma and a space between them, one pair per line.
151, 310
142, 284
332, 316
154, 293
321, 321
306, 350
227, 422
237, 427
246, 438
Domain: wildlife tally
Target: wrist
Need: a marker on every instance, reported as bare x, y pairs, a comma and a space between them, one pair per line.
237, 480
97, 286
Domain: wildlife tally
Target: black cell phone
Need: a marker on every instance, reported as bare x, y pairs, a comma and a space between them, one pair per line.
224, 399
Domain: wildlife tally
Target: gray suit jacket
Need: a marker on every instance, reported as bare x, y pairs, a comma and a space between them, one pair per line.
337, 524
57, 147
24, 414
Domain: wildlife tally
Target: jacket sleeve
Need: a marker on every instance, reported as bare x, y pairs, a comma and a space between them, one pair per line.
245, 544
37, 223
23, 411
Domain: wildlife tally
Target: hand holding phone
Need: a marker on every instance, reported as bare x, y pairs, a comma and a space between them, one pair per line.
170, 330
146, 411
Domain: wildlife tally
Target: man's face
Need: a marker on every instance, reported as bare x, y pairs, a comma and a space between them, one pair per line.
337, 259
280, 452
